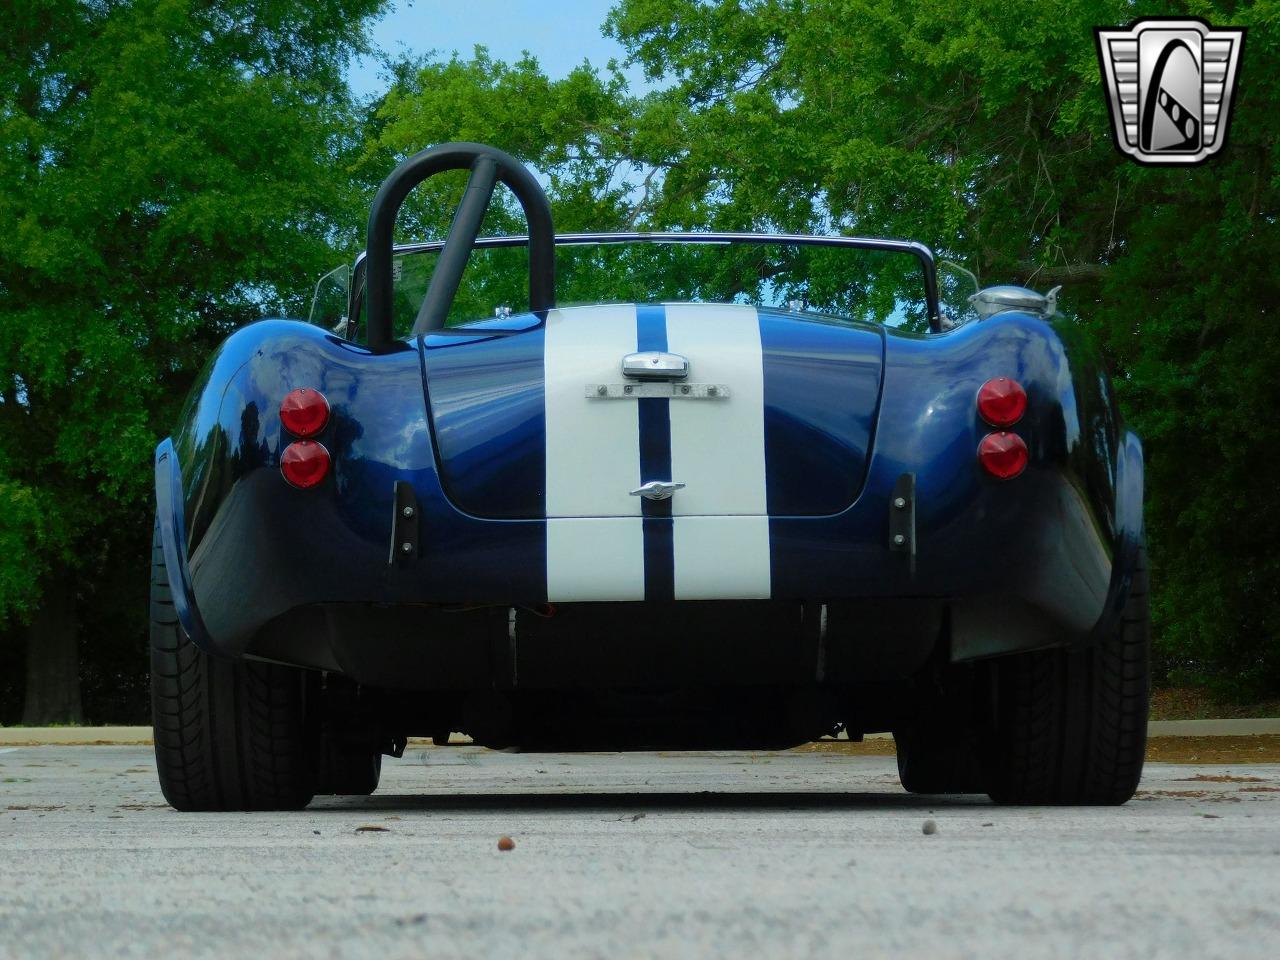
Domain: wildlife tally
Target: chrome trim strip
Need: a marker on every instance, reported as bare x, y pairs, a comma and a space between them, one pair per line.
917, 250
578, 239
660, 390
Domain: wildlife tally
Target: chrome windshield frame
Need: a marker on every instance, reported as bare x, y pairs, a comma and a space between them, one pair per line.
918, 250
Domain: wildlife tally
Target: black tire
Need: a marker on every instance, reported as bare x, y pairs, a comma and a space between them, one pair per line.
229, 735
1071, 725
935, 760
347, 771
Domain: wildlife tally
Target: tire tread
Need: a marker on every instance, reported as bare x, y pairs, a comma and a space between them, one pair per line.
228, 735
1072, 724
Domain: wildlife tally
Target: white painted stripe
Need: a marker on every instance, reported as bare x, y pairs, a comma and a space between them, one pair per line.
722, 558
717, 446
595, 538
721, 534
593, 447
593, 459
592, 559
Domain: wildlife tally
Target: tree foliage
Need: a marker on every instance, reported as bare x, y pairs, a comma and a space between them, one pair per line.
980, 128
568, 130
167, 170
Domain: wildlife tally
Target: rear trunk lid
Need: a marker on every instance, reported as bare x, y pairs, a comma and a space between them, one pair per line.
536, 420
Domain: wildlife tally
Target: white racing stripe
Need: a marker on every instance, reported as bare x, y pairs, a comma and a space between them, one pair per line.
717, 450
593, 447
717, 446
595, 539
590, 559
593, 459
722, 558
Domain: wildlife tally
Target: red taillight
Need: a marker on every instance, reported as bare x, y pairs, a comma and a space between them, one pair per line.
304, 412
1003, 455
1002, 402
304, 463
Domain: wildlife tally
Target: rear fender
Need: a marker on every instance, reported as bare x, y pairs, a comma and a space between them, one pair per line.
1043, 559
169, 515
244, 545
1130, 477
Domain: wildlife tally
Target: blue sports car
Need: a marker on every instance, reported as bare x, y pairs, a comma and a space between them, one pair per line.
622, 491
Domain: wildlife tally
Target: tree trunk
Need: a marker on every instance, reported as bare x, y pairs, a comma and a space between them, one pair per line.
53, 658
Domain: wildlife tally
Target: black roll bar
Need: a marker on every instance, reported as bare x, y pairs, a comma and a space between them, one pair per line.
489, 166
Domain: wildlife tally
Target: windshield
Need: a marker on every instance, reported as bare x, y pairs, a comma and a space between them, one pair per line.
329, 304
834, 278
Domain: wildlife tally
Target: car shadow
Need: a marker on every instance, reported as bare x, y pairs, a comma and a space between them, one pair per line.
661, 801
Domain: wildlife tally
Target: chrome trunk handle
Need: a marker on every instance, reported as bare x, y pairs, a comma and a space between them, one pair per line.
657, 489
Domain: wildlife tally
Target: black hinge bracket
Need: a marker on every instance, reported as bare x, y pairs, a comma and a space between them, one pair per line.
404, 524
902, 517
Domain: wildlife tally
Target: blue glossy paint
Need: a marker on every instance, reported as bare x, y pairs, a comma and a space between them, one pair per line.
654, 415
821, 393
173, 542
1043, 558
486, 400
258, 547
821, 396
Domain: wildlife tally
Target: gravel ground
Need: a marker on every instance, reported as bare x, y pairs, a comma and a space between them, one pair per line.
797, 854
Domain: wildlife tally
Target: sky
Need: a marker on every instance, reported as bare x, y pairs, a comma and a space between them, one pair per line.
560, 33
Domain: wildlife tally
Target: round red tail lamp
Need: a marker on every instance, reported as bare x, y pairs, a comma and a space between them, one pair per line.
304, 412
1003, 455
304, 463
1002, 402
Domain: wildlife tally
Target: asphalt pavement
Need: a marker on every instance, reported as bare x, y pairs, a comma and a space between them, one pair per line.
796, 854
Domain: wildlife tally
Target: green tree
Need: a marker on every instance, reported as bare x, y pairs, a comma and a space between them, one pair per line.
980, 128
571, 131
168, 171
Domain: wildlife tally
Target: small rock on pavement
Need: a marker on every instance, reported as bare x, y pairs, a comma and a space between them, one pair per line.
930, 828
506, 843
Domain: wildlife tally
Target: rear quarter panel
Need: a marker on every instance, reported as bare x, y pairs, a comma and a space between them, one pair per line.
1030, 560
257, 548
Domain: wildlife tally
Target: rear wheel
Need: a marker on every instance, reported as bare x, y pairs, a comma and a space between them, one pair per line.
1071, 725
228, 735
